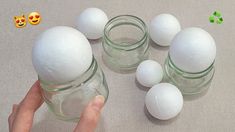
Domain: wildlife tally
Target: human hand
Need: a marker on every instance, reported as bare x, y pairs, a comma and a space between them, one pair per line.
21, 118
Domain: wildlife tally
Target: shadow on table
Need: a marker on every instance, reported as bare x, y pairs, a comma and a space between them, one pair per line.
49, 123
141, 87
157, 121
95, 41
156, 46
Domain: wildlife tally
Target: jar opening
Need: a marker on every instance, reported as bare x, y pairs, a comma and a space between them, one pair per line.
67, 85
125, 32
189, 74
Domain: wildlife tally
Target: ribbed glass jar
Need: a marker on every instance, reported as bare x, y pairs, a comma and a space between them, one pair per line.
125, 42
188, 83
68, 100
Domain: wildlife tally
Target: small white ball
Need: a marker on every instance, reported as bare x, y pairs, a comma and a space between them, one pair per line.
91, 22
149, 73
164, 101
163, 28
61, 54
193, 50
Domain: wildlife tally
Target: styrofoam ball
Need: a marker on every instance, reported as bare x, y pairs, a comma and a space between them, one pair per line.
61, 54
193, 50
164, 101
163, 28
149, 73
91, 22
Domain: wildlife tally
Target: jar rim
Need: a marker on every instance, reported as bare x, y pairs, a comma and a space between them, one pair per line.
204, 72
134, 45
67, 85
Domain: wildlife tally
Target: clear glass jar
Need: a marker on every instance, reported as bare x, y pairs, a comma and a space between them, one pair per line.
68, 100
188, 83
125, 42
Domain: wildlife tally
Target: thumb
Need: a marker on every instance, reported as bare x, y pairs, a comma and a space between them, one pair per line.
90, 115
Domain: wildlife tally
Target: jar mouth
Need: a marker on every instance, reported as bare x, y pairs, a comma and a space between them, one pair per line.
189, 74
127, 20
86, 76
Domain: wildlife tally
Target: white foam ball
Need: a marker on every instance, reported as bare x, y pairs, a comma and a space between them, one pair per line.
163, 28
164, 101
61, 54
91, 22
149, 73
193, 50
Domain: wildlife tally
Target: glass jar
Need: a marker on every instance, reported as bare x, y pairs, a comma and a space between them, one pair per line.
68, 100
125, 42
188, 83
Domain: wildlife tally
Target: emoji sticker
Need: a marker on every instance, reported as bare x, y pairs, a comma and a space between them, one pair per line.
34, 18
20, 21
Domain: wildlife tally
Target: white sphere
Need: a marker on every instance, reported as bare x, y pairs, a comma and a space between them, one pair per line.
164, 101
149, 73
61, 54
163, 28
91, 22
193, 50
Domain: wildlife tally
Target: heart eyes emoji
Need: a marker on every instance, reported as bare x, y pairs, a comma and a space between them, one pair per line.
20, 21
34, 18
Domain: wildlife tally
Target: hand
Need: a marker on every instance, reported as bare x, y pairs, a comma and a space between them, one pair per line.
21, 118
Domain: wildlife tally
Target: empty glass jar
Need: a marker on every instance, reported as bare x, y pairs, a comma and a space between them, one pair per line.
125, 42
68, 100
188, 83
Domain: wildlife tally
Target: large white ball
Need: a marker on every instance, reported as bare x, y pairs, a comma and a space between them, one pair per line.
163, 28
193, 50
61, 54
149, 73
164, 101
91, 22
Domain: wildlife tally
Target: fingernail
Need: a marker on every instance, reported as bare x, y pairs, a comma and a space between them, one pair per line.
98, 102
